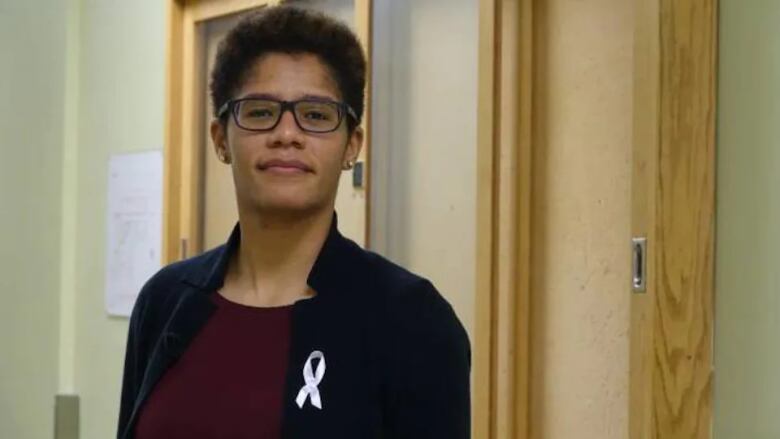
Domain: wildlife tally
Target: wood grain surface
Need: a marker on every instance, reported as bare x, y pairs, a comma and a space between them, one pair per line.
674, 201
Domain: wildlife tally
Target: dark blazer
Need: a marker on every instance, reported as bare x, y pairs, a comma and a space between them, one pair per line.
397, 358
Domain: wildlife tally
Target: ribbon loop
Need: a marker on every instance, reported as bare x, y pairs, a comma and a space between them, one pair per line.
312, 380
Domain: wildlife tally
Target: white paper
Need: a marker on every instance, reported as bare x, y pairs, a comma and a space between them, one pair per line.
134, 241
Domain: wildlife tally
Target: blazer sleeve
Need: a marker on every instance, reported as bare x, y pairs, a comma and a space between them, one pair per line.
136, 355
429, 392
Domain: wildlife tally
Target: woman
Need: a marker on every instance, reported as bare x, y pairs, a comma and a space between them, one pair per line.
290, 329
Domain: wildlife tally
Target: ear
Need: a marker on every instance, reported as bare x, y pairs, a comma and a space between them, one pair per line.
354, 145
219, 139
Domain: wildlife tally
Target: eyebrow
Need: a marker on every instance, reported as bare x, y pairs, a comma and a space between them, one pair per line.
311, 97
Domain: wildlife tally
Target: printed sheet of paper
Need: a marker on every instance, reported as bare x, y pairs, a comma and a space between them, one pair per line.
134, 241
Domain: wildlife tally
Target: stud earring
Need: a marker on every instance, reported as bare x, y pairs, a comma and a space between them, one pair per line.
349, 164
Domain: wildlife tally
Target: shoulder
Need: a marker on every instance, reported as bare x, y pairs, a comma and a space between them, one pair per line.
384, 280
187, 270
162, 289
412, 304
402, 288
420, 315
427, 352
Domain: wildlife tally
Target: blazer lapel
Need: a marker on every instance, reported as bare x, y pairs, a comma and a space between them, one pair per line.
191, 312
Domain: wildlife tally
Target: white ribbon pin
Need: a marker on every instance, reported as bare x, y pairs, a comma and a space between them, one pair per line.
312, 380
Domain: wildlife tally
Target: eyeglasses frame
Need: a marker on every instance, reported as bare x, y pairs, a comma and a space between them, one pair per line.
232, 104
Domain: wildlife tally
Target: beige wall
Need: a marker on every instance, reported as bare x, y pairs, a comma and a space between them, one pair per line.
424, 150
747, 352
31, 146
581, 214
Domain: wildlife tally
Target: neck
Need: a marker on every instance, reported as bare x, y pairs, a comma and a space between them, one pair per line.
275, 257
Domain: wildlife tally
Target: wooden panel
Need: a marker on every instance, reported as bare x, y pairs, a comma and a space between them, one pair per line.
501, 342
482, 345
202, 10
646, 119
507, 98
674, 187
685, 192
524, 17
191, 123
172, 170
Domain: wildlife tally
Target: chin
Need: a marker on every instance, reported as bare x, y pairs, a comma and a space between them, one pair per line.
287, 205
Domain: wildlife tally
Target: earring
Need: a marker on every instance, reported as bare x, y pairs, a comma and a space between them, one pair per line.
223, 158
349, 164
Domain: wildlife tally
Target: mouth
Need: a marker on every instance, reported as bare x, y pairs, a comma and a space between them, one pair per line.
284, 167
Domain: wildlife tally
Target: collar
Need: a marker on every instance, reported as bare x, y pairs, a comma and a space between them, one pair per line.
327, 271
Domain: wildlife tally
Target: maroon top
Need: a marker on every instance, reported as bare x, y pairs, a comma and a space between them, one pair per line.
229, 383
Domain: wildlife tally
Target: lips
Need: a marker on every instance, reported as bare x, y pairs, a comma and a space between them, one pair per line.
284, 165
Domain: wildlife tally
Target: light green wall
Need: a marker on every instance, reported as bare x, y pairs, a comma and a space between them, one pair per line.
80, 79
747, 322
120, 109
31, 149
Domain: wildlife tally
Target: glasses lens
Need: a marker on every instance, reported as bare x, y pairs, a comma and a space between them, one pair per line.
258, 114
317, 116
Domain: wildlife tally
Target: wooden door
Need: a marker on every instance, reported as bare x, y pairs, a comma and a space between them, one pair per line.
674, 209
220, 212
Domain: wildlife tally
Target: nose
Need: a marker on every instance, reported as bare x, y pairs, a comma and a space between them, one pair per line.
287, 132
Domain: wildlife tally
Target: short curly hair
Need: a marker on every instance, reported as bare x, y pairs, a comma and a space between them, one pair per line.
292, 30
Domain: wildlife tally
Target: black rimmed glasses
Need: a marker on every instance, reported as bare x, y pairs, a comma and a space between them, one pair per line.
264, 114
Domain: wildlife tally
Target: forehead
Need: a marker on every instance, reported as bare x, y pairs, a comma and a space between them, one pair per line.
290, 76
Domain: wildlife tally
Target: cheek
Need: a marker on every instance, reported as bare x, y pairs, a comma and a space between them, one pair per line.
332, 162
245, 150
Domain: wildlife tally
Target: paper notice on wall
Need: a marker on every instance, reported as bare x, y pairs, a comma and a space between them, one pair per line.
134, 241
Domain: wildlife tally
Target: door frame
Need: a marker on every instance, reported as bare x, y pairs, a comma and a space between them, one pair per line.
185, 104
501, 348
673, 206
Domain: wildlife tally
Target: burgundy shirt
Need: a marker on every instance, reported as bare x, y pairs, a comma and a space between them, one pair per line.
229, 383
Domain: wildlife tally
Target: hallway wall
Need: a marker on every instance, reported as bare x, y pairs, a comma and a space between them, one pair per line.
747, 281
120, 109
32, 104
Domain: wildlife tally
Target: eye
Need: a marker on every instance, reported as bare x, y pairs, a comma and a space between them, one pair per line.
317, 115
258, 110
259, 113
